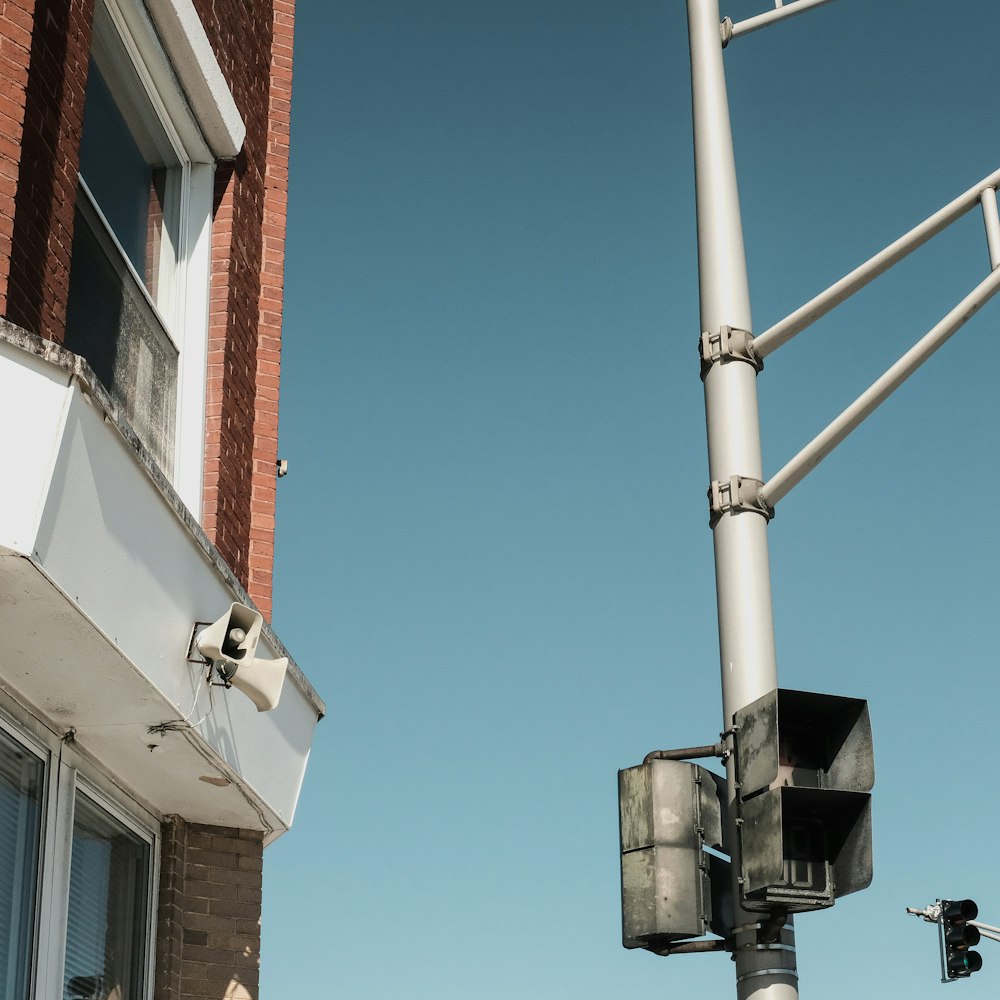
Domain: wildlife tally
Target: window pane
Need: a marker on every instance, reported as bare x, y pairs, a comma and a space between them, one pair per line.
106, 933
20, 816
111, 324
126, 157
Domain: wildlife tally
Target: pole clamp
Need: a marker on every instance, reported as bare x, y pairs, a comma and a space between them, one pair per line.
729, 344
791, 973
738, 494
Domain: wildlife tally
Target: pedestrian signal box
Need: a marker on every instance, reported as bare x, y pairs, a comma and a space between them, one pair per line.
669, 812
805, 768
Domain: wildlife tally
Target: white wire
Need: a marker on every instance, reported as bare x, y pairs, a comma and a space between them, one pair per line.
211, 708
164, 727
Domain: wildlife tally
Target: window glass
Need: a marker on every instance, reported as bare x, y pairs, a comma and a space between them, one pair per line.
126, 232
106, 928
124, 157
20, 818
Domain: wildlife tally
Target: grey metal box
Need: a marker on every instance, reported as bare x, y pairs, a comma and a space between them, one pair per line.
668, 810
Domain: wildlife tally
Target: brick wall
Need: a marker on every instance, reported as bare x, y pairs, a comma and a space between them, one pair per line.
37, 284
15, 29
208, 925
247, 284
272, 285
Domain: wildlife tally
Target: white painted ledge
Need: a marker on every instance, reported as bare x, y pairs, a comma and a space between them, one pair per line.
184, 40
102, 574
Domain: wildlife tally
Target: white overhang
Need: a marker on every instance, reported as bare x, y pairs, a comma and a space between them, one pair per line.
197, 69
102, 575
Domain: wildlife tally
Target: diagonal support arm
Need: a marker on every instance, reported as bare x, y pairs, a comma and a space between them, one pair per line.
803, 317
824, 442
780, 13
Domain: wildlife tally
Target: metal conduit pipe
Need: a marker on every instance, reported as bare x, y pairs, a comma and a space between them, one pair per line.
687, 753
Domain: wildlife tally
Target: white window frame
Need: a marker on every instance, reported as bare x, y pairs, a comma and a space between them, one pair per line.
67, 771
186, 270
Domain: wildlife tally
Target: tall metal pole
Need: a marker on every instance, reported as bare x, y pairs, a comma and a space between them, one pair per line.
746, 628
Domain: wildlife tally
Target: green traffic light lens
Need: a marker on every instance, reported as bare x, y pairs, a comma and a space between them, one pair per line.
964, 964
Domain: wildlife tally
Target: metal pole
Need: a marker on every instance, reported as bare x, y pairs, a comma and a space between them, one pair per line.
743, 588
778, 14
991, 218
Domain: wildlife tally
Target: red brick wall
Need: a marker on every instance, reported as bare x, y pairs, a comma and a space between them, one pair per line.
42, 232
208, 922
252, 40
272, 283
15, 29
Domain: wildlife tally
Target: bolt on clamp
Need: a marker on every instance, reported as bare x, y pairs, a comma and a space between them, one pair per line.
729, 344
738, 494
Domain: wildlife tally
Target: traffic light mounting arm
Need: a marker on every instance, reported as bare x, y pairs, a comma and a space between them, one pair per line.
987, 931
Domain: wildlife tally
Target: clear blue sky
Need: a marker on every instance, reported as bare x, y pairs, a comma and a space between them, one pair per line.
494, 560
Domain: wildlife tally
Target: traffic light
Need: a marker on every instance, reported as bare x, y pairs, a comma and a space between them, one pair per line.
958, 936
804, 767
672, 888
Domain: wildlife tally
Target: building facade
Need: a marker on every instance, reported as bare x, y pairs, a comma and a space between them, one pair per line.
154, 733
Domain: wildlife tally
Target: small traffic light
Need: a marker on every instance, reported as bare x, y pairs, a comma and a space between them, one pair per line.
958, 936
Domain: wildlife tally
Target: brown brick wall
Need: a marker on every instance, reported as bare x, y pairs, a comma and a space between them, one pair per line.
208, 926
272, 285
16, 20
42, 231
253, 41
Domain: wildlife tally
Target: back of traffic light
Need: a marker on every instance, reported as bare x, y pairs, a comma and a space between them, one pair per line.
958, 936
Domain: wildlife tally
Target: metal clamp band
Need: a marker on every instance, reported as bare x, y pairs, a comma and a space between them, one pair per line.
791, 973
738, 494
729, 344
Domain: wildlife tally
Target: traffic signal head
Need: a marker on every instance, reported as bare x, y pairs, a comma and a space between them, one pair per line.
958, 937
671, 888
805, 767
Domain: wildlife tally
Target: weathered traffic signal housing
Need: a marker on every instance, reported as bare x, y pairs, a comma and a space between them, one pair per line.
805, 768
669, 812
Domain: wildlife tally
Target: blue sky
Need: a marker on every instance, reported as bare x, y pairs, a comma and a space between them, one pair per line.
494, 560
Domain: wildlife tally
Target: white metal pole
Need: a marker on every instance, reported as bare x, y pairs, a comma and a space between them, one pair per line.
991, 218
778, 14
743, 587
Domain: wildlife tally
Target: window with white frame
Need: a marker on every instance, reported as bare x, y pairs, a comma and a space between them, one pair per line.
21, 783
138, 296
76, 882
106, 926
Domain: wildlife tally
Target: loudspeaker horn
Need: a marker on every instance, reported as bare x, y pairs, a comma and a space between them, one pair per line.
230, 643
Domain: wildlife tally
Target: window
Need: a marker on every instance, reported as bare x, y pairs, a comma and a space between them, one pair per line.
138, 295
20, 825
106, 925
77, 877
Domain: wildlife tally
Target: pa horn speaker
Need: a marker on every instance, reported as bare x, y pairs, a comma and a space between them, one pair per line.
261, 681
231, 644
